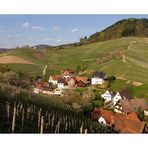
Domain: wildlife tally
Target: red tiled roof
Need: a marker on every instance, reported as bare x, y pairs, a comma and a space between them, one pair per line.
81, 84
68, 71
128, 123
40, 84
132, 116
106, 114
84, 79
62, 80
55, 77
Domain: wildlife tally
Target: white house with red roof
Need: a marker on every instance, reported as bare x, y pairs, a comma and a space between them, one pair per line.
54, 79
98, 78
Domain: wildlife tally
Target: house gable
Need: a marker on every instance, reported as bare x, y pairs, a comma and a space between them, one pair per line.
68, 72
116, 98
106, 114
54, 79
102, 121
71, 82
81, 84
108, 95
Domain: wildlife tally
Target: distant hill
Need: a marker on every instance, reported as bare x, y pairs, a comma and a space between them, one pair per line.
4, 49
123, 28
41, 46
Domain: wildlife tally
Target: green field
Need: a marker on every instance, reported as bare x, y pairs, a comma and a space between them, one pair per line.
134, 67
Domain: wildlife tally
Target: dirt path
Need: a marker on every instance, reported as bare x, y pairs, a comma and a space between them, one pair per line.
123, 59
13, 59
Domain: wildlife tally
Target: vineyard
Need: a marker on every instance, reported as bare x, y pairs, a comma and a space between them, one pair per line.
25, 112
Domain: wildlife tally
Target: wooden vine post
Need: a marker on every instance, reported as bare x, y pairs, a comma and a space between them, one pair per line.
58, 127
8, 110
85, 131
23, 113
14, 117
81, 129
39, 118
42, 125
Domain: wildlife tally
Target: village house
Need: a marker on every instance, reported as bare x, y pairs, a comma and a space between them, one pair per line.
53, 79
98, 78
122, 123
67, 83
68, 80
128, 106
102, 116
62, 84
72, 82
122, 95
128, 123
40, 86
67, 73
58, 92
108, 95
82, 81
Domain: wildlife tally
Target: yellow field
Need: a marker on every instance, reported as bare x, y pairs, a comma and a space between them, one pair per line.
13, 59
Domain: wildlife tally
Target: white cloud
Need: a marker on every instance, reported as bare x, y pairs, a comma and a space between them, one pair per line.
48, 39
55, 28
26, 25
38, 28
59, 40
74, 30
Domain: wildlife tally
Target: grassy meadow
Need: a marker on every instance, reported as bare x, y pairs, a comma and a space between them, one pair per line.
126, 58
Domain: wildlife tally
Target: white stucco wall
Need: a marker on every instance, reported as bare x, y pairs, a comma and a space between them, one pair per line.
66, 76
37, 90
61, 85
54, 82
146, 112
96, 81
102, 121
107, 96
116, 98
57, 91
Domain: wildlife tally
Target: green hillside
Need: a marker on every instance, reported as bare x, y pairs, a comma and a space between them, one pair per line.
126, 58
122, 28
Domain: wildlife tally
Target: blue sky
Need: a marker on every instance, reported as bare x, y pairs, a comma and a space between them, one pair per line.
18, 30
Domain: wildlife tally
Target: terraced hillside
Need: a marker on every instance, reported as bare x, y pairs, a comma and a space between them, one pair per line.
126, 58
